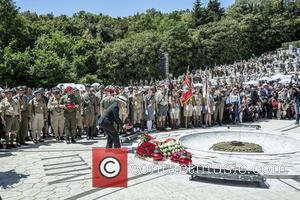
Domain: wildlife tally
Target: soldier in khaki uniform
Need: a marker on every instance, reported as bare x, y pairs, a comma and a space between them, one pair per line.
137, 101
123, 113
197, 104
10, 114
24, 101
174, 110
79, 118
220, 99
162, 101
38, 115
56, 115
188, 112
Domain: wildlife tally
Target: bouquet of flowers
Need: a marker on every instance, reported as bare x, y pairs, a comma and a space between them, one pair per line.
146, 137
146, 149
70, 106
183, 157
170, 147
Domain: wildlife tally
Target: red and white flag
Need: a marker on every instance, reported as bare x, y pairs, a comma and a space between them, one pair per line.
206, 93
187, 93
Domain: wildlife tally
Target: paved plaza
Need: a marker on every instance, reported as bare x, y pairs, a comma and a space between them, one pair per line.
54, 170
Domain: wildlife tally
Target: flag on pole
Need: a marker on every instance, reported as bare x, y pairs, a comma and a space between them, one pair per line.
206, 94
187, 93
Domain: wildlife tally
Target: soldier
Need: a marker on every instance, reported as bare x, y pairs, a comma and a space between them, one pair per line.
174, 110
162, 106
24, 102
150, 105
96, 105
107, 100
197, 104
70, 103
37, 115
79, 118
57, 115
137, 109
88, 111
220, 98
188, 113
10, 116
125, 109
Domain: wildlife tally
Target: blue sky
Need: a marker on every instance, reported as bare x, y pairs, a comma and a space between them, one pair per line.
113, 8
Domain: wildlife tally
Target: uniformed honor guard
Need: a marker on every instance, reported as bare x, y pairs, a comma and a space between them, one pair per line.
137, 109
162, 101
38, 116
70, 104
88, 111
79, 118
57, 115
174, 110
197, 104
10, 114
24, 102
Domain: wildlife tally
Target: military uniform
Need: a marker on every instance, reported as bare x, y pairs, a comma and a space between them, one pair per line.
10, 113
88, 112
57, 117
70, 115
220, 99
23, 130
37, 112
137, 101
197, 113
162, 100
106, 102
79, 117
188, 109
174, 110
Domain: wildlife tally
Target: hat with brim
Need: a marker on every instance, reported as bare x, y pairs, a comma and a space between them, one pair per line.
122, 99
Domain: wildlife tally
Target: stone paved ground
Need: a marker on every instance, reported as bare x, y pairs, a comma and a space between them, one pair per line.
59, 171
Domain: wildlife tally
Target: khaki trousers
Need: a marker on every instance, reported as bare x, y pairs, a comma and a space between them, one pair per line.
58, 125
37, 125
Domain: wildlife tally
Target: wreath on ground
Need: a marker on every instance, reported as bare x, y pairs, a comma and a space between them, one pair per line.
237, 146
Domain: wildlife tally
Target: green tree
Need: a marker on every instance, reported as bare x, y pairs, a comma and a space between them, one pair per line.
199, 14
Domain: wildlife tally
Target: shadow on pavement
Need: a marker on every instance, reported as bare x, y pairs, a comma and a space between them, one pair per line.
9, 178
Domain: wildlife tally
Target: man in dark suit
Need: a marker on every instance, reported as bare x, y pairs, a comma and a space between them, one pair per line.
110, 116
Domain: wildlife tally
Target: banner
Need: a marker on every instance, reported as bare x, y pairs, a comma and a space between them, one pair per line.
187, 93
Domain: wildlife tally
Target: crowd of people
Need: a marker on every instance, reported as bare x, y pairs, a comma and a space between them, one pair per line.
69, 113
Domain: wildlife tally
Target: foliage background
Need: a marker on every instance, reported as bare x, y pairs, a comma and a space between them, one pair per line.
43, 50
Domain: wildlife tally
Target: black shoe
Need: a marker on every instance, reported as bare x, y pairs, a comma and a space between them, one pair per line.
61, 138
23, 143
41, 140
27, 139
67, 140
13, 146
1, 146
35, 141
7, 147
18, 145
73, 141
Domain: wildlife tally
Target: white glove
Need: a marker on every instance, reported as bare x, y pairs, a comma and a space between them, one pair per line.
146, 112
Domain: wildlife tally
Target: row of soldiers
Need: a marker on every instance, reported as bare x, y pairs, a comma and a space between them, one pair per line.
23, 114
72, 113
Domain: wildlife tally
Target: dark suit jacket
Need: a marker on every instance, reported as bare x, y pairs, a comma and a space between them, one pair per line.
111, 114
